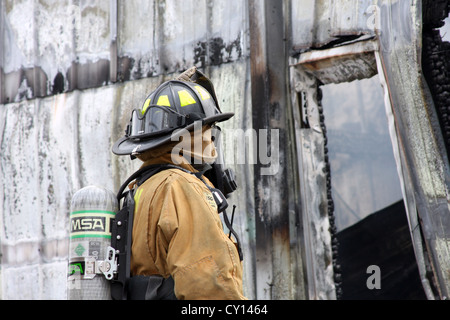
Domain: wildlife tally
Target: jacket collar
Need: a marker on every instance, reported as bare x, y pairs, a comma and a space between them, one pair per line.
167, 159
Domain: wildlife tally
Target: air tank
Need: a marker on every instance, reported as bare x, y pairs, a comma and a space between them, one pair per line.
91, 259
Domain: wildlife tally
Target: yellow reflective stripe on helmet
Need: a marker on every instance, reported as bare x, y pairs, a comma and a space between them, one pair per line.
163, 101
185, 98
203, 93
146, 104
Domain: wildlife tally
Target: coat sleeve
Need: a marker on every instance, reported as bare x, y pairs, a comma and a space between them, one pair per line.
202, 260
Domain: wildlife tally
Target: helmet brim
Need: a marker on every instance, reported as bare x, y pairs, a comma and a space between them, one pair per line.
128, 146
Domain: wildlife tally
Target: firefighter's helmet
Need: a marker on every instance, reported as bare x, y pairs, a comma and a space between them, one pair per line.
173, 105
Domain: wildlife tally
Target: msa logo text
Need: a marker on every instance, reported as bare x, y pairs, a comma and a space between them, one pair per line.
97, 224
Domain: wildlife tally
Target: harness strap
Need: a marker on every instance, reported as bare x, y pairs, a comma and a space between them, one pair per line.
121, 235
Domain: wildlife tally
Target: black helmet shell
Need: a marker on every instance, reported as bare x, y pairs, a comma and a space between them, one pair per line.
173, 105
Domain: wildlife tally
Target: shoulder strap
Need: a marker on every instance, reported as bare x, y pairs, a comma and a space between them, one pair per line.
121, 232
148, 171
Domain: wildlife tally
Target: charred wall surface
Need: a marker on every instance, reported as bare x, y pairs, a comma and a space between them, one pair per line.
70, 74
436, 62
71, 71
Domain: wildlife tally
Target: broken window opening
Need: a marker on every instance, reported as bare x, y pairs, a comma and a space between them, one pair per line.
364, 177
369, 212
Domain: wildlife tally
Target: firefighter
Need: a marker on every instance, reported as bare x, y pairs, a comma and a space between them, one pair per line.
179, 248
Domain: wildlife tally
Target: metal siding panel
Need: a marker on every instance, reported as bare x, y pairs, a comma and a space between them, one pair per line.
313, 185
268, 56
303, 23
423, 161
52, 147
349, 17
79, 45
317, 23
232, 85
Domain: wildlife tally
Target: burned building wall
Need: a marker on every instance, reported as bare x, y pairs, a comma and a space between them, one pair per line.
71, 71
67, 92
394, 31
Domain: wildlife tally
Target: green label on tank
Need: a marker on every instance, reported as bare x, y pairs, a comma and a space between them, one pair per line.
76, 268
94, 223
79, 250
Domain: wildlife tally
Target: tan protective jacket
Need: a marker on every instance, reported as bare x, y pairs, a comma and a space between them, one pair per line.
177, 232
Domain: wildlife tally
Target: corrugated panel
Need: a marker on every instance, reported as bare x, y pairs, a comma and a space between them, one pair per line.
51, 147
318, 23
54, 47
422, 156
278, 240
56, 139
178, 34
71, 71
